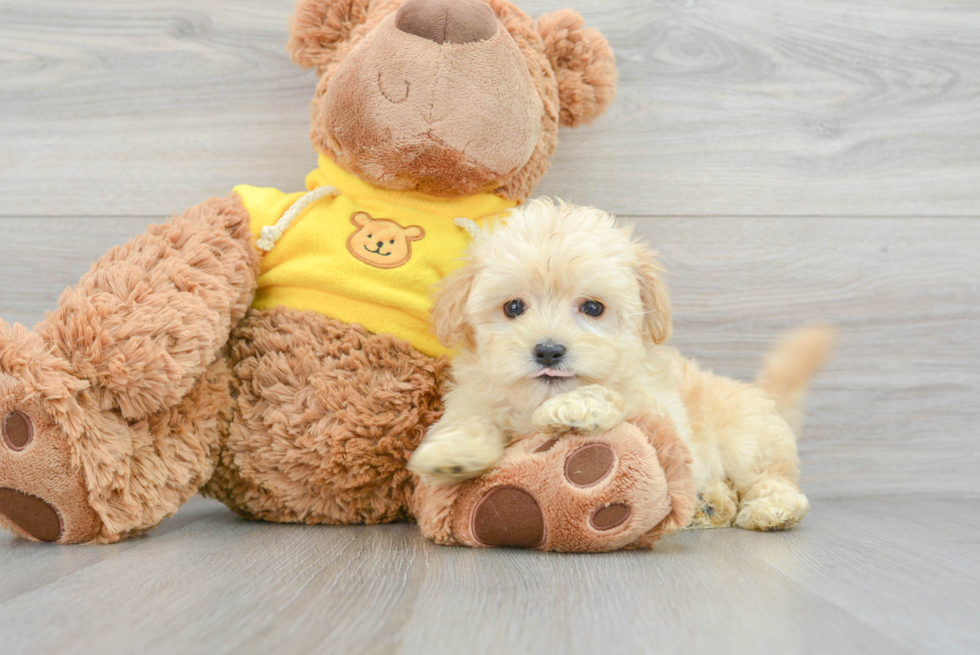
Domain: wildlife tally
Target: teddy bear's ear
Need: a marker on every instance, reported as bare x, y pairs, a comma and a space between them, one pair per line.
320, 26
584, 63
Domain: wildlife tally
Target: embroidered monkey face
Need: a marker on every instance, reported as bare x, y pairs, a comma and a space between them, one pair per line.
380, 242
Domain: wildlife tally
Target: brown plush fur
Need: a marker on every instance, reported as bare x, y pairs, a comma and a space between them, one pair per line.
584, 63
153, 379
145, 322
325, 418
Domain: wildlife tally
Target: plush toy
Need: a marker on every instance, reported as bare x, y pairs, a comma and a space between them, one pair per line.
273, 350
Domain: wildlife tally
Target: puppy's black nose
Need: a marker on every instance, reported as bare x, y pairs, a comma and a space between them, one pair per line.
549, 354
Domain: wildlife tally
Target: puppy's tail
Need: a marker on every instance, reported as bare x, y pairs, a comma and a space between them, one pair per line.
788, 368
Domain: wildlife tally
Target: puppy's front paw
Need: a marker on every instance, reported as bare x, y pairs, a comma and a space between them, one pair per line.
455, 455
592, 408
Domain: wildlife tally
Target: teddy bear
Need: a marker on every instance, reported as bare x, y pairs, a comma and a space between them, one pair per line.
273, 350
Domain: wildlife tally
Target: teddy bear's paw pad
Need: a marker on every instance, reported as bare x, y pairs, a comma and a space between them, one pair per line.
589, 465
546, 446
31, 515
611, 516
18, 430
509, 516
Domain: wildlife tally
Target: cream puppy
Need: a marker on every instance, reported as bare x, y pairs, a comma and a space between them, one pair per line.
560, 319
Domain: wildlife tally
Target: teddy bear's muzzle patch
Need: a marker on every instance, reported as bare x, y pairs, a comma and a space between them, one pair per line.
447, 21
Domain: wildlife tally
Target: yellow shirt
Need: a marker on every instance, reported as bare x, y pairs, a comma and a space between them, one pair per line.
368, 255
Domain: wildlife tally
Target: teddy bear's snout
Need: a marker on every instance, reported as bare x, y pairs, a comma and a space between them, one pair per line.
447, 21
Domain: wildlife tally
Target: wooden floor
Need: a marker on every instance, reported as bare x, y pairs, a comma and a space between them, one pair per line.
793, 160
858, 576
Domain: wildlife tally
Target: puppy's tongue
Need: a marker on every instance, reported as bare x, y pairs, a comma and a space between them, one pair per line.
552, 373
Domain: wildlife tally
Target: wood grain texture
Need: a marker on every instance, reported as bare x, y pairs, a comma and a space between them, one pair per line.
727, 107
857, 576
896, 410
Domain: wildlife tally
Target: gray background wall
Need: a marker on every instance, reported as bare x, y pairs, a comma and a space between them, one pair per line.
794, 161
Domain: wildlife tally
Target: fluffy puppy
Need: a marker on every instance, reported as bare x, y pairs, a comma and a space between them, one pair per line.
560, 318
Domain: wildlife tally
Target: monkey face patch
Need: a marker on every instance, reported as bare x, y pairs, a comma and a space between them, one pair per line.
380, 242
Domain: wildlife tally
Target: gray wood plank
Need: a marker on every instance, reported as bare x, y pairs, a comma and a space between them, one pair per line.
883, 567
27, 566
748, 107
220, 584
896, 410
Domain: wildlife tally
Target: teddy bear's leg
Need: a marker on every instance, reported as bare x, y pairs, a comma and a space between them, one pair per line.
573, 493
112, 407
325, 418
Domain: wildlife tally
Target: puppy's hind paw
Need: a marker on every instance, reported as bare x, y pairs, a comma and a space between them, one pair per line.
717, 507
779, 511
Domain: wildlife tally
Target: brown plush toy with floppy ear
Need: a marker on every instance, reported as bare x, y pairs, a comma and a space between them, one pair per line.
272, 349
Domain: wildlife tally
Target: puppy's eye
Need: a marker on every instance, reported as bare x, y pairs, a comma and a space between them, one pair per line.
514, 308
592, 308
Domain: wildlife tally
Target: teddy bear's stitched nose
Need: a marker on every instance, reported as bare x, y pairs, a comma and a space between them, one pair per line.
447, 21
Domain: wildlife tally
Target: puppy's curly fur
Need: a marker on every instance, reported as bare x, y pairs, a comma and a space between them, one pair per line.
560, 318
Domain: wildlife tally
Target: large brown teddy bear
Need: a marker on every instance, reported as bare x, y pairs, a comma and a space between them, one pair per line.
272, 350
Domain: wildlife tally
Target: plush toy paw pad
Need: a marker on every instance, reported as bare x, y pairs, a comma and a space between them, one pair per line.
546, 446
590, 465
508, 516
18, 430
42, 495
30, 514
569, 493
610, 516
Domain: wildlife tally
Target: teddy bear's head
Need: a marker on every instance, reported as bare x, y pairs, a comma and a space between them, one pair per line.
448, 97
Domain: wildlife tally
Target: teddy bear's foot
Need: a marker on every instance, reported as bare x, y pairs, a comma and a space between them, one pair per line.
42, 495
71, 472
571, 493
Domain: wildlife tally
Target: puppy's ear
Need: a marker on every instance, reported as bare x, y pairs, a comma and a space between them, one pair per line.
653, 293
320, 26
584, 63
449, 310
